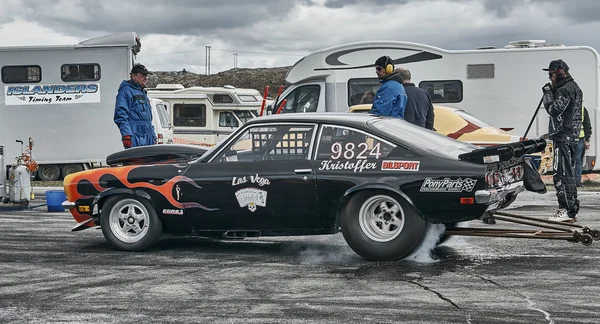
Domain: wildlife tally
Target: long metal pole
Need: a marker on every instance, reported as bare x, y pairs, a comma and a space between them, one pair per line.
533, 118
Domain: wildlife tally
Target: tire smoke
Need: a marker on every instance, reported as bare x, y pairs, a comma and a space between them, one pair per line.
423, 252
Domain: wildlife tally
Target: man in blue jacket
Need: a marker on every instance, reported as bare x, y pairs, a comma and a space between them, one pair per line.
133, 113
390, 99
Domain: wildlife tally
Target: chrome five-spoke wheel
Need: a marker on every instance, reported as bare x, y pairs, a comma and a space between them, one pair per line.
381, 218
129, 220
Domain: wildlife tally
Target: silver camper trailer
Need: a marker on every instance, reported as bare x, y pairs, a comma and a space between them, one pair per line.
63, 97
501, 85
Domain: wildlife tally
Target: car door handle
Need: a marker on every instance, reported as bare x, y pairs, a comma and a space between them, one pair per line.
303, 171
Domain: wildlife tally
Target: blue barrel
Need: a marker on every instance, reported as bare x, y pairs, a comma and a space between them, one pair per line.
54, 200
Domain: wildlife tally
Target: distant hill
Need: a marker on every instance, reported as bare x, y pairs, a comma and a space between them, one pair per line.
239, 78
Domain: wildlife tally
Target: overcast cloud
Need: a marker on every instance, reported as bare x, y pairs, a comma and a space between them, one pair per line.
268, 33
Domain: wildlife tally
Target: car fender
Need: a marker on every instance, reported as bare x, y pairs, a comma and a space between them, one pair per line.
101, 197
374, 186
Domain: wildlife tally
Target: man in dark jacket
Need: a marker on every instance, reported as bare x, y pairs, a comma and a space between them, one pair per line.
419, 109
390, 99
133, 113
584, 143
562, 99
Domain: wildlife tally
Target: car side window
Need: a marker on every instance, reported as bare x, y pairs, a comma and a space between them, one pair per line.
344, 143
270, 143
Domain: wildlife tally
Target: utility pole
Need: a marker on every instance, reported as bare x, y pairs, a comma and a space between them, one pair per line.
207, 60
235, 55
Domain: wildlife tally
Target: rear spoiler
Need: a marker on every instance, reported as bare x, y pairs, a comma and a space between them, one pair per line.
504, 152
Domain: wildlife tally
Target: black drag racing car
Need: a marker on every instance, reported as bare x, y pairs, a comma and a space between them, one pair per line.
380, 181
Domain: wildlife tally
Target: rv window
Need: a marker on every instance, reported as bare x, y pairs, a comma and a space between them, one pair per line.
248, 98
162, 115
21, 74
303, 99
80, 72
222, 98
226, 119
362, 91
443, 91
189, 115
273, 143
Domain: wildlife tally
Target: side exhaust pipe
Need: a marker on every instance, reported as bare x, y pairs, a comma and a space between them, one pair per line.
241, 234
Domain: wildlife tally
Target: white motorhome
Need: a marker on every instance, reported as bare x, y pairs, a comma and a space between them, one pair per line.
63, 97
500, 85
206, 115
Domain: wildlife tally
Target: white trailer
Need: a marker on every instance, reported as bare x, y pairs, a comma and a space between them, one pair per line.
499, 85
206, 115
63, 97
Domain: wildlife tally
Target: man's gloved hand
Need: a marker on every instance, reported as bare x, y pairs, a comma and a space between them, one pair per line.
547, 87
126, 141
155, 141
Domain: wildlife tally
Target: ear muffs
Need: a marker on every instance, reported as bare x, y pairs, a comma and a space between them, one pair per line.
389, 67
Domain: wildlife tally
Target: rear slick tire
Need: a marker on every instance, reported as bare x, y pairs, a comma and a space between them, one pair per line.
381, 225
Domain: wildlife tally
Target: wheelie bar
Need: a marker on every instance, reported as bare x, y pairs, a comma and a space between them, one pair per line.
561, 231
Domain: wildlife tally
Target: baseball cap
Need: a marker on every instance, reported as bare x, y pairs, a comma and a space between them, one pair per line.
556, 65
140, 68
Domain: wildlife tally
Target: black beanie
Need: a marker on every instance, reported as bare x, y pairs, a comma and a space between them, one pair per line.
383, 61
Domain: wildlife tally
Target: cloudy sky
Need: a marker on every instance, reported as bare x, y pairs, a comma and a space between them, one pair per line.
267, 33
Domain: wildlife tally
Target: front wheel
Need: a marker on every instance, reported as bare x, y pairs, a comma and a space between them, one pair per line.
381, 226
130, 223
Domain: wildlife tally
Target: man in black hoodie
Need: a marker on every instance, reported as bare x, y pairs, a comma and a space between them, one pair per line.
419, 109
562, 99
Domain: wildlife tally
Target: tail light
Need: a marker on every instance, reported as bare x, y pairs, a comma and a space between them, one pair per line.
160, 140
500, 178
494, 179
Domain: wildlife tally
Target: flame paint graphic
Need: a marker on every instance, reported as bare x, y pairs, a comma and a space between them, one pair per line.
121, 174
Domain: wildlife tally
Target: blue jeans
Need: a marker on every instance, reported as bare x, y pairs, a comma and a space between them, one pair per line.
579, 160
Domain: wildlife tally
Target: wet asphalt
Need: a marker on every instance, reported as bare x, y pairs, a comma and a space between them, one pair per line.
50, 274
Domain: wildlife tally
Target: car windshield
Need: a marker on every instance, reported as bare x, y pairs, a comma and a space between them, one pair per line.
162, 115
421, 138
244, 115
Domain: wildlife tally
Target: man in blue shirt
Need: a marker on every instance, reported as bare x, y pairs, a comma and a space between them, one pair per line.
390, 99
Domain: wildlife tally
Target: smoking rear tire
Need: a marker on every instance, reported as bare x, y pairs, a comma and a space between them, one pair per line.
130, 223
48, 172
381, 226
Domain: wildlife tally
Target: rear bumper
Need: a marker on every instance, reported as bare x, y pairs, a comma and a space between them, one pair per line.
491, 196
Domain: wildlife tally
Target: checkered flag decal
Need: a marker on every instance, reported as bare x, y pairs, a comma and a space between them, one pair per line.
468, 184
